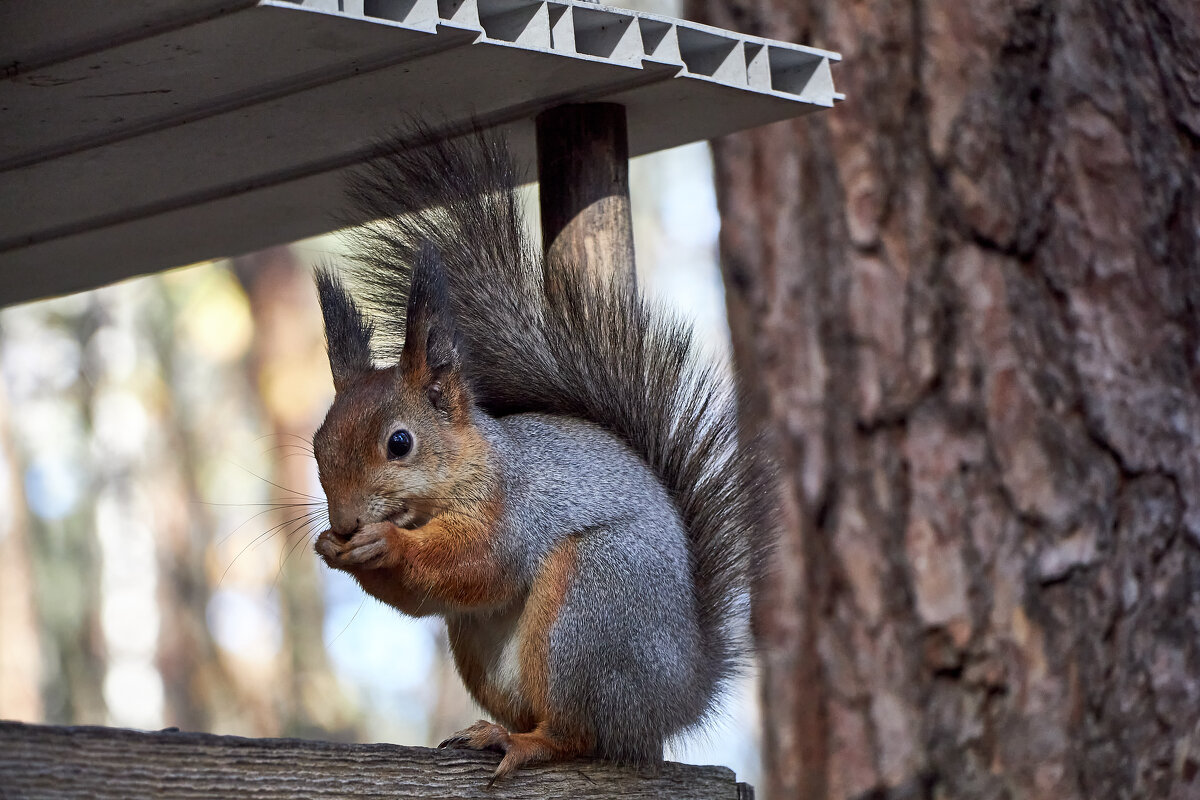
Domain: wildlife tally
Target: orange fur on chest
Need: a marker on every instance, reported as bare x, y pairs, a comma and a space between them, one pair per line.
447, 564
454, 556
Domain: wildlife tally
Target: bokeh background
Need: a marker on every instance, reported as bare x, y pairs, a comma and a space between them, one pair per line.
157, 490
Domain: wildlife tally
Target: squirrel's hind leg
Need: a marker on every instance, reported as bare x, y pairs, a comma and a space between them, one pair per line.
520, 749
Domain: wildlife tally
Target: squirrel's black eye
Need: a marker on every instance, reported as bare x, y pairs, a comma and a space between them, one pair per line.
399, 443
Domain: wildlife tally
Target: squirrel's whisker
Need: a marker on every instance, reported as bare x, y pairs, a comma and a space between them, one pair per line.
271, 507
276, 485
264, 536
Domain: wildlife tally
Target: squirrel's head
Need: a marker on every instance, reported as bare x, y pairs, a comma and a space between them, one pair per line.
397, 440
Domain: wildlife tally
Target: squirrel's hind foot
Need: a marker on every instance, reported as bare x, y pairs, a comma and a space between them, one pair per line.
520, 749
482, 735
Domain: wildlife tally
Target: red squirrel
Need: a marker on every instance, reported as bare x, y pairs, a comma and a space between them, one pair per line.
542, 458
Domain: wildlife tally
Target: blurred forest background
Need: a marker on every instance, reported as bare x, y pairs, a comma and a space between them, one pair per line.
155, 473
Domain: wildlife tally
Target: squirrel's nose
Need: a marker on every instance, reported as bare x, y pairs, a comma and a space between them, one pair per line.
343, 522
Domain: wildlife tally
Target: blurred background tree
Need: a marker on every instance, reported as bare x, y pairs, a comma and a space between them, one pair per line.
966, 304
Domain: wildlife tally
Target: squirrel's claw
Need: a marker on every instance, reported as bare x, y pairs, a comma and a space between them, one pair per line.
455, 741
520, 749
483, 735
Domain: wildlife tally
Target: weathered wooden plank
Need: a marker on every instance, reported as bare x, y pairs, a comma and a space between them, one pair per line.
91, 762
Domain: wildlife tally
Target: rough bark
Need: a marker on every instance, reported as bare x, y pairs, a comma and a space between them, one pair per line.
966, 303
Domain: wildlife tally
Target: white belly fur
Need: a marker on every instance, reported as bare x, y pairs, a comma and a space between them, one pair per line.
506, 669
497, 642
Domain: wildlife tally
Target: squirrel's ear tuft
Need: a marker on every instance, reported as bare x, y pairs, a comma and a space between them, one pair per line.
430, 356
347, 332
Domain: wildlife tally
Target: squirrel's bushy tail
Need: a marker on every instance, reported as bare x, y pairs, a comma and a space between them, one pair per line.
549, 337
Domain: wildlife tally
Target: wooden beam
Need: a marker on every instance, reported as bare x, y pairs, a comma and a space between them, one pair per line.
583, 175
91, 762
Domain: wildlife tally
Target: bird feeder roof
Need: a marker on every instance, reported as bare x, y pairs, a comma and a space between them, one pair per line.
147, 134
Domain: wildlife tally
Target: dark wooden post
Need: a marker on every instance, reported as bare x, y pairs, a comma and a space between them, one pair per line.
583, 171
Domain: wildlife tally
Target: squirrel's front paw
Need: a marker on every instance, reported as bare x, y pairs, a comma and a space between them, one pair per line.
373, 546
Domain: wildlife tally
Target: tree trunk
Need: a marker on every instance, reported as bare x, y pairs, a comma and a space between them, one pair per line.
199, 690
288, 343
966, 305
20, 649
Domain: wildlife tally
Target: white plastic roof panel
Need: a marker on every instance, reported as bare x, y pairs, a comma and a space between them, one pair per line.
142, 135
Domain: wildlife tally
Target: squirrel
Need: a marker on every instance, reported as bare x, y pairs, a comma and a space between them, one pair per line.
544, 460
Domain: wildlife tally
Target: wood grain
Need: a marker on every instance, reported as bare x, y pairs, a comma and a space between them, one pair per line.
39, 761
583, 176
